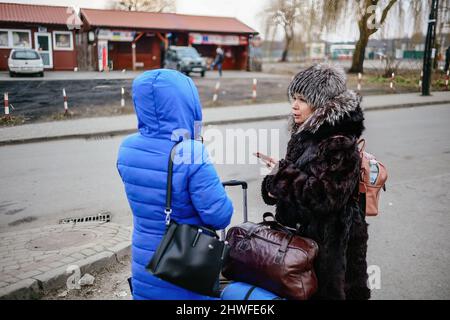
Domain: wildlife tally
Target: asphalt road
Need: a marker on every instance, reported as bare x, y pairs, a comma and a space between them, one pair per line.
409, 242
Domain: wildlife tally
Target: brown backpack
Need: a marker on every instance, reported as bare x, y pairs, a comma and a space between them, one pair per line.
372, 180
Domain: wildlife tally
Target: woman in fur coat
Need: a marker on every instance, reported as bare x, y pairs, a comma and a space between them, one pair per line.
316, 185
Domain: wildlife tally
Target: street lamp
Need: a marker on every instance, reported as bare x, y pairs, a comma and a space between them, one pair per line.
430, 50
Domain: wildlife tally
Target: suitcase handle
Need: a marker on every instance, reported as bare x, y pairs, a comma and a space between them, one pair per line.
233, 183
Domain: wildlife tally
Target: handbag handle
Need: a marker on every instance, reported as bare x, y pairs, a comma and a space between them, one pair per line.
168, 209
275, 225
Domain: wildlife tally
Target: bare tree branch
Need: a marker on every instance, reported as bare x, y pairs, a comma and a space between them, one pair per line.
386, 10
145, 5
285, 13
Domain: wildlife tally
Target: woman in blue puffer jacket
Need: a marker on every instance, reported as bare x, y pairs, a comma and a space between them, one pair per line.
167, 106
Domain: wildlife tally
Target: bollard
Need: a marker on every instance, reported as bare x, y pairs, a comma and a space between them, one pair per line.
420, 81
446, 80
255, 82
359, 81
6, 101
75, 69
66, 104
392, 81
122, 100
216, 92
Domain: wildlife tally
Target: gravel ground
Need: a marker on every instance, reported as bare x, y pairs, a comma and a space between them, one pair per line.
36, 101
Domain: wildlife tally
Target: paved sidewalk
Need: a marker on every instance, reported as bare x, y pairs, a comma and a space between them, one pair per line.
35, 261
116, 125
129, 75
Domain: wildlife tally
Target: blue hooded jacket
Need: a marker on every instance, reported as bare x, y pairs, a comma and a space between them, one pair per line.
167, 106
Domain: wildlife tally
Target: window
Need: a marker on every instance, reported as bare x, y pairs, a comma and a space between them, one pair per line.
4, 42
63, 40
25, 55
21, 39
15, 38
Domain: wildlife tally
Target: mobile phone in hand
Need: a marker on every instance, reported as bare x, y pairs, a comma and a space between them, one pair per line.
268, 160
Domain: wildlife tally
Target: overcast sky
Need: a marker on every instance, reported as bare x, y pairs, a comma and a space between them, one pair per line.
248, 11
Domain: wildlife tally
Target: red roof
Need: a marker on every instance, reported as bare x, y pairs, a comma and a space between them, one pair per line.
164, 21
13, 12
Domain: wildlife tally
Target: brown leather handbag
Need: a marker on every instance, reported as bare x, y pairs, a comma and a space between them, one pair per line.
271, 256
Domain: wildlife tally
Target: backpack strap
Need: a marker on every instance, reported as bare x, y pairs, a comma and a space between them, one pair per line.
358, 143
362, 142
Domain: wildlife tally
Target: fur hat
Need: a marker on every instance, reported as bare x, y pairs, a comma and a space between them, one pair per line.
324, 88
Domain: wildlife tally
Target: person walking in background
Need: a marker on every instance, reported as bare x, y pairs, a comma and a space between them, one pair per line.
316, 186
167, 106
218, 61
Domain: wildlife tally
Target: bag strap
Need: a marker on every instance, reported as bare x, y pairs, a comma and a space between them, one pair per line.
168, 209
275, 225
249, 293
362, 142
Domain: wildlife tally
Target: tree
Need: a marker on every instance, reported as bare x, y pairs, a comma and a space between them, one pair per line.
146, 5
366, 29
309, 18
284, 14
370, 16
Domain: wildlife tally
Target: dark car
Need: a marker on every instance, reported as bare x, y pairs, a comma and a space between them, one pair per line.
185, 59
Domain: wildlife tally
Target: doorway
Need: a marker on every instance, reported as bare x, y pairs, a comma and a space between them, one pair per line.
43, 44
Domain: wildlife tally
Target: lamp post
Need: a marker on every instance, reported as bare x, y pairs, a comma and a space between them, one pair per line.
430, 51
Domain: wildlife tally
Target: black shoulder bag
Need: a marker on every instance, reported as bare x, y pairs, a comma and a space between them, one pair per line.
188, 256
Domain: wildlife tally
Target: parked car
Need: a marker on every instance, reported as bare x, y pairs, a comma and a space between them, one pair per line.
185, 59
25, 61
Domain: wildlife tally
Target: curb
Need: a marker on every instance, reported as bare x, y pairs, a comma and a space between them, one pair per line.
111, 134
406, 105
36, 287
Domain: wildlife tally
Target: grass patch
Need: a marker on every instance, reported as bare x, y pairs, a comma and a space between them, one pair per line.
64, 116
11, 121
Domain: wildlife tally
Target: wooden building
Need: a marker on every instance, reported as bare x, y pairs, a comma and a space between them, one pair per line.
101, 40
44, 28
137, 40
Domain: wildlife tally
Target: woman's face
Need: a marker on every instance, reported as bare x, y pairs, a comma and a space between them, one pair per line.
300, 109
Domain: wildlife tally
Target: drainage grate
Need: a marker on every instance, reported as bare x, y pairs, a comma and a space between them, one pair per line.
103, 217
99, 137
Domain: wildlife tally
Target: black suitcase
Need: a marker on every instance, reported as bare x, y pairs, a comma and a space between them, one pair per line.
235, 183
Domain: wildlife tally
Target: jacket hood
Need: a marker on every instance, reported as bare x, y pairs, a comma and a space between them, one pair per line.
342, 114
167, 104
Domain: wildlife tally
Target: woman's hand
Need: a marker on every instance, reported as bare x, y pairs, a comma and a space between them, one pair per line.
271, 163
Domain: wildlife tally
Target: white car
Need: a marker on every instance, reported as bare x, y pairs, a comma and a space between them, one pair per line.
25, 61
